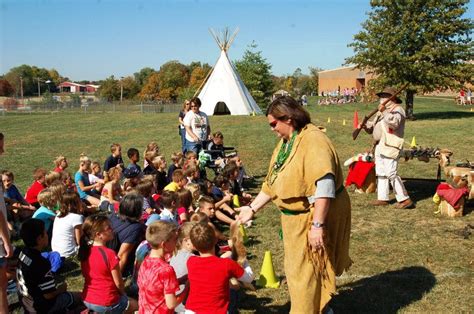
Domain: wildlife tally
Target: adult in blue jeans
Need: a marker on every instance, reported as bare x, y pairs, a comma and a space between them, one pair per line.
182, 130
197, 127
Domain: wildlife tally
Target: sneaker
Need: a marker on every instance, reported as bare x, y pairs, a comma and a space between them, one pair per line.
248, 224
379, 203
408, 203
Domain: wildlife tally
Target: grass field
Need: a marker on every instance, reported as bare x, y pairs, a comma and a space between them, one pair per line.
404, 260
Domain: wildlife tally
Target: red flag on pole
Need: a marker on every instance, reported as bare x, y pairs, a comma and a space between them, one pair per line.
356, 120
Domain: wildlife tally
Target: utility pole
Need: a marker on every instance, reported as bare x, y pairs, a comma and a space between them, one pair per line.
21, 89
121, 89
39, 88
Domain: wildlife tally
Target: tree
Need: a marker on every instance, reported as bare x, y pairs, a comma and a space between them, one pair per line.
142, 76
425, 43
314, 72
255, 72
172, 76
29, 76
6, 89
109, 89
197, 77
130, 87
151, 88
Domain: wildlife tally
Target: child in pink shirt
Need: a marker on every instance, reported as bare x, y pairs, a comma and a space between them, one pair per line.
157, 280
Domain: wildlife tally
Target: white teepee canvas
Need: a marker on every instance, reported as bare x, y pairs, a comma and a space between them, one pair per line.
224, 91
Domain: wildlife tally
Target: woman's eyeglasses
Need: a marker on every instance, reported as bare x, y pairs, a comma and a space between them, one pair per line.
273, 124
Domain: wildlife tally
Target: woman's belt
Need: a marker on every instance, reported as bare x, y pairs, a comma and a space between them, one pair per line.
299, 212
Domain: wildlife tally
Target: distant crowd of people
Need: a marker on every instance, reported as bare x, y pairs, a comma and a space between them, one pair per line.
338, 96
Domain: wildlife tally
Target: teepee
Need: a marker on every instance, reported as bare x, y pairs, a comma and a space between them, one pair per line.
224, 92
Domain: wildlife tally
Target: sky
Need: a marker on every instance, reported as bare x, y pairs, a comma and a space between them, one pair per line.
92, 40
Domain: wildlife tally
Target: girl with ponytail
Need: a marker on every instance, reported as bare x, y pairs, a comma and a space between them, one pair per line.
103, 285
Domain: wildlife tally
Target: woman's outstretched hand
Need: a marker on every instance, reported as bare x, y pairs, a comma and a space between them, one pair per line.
245, 213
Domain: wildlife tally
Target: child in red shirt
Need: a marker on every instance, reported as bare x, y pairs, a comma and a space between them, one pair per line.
39, 175
103, 284
157, 280
209, 275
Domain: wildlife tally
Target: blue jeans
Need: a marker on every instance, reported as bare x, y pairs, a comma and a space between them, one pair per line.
118, 308
65, 301
193, 146
182, 133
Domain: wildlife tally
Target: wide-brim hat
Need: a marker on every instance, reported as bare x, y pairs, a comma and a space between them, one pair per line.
388, 92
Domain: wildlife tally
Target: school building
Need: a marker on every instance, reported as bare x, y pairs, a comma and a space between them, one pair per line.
340, 78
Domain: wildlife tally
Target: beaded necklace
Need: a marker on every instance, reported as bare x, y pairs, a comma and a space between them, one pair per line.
283, 153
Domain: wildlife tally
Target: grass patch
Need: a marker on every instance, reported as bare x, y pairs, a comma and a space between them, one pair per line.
410, 261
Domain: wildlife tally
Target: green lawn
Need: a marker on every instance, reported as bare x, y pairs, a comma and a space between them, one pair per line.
404, 260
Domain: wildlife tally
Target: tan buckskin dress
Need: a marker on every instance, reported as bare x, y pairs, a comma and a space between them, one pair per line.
311, 276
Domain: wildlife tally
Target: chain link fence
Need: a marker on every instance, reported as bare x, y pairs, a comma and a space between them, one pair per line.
92, 107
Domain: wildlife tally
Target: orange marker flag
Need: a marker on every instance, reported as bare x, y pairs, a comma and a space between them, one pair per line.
356, 120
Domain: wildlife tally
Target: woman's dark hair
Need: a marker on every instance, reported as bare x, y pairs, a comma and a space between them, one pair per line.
286, 107
196, 101
131, 207
70, 203
30, 230
91, 226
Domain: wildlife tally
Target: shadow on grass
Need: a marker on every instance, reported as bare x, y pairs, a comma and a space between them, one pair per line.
420, 189
442, 115
250, 302
388, 292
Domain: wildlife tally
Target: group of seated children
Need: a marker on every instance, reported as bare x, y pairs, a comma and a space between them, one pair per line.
124, 222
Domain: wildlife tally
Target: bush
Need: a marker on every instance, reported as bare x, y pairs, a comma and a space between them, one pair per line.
10, 104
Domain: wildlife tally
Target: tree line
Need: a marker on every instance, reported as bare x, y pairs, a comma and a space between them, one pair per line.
173, 81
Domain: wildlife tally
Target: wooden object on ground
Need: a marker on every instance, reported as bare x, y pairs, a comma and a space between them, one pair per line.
446, 209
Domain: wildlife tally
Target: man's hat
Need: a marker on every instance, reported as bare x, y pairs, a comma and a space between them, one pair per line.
388, 92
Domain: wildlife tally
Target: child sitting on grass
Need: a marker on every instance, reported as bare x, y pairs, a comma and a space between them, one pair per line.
209, 275
103, 284
36, 284
177, 161
161, 179
179, 181
14, 198
146, 189
45, 213
111, 193
180, 259
115, 159
185, 200
31, 196
60, 164
157, 280
84, 187
169, 202
134, 157
67, 227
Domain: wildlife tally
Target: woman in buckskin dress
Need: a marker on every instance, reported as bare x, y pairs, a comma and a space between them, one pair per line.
305, 182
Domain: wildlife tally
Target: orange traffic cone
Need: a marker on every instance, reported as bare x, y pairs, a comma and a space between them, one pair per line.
268, 278
355, 122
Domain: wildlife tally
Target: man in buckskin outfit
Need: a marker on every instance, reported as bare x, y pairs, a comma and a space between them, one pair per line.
390, 119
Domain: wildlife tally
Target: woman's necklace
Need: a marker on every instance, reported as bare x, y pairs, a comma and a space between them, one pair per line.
283, 154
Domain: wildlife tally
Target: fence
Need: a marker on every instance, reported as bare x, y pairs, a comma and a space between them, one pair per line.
93, 107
